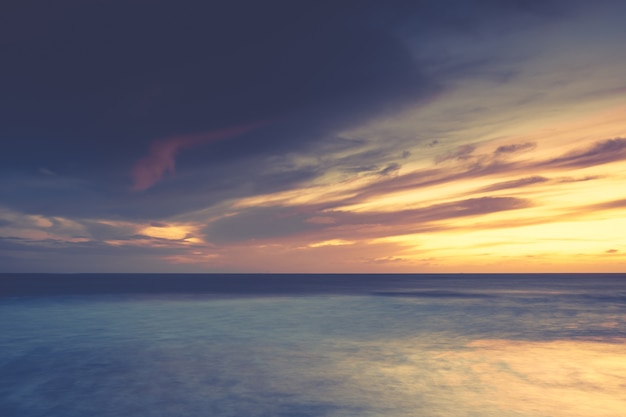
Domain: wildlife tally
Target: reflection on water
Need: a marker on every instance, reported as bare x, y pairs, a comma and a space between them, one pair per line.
463, 347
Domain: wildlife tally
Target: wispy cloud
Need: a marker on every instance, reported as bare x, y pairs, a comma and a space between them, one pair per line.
462, 153
160, 159
516, 147
601, 152
522, 182
608, 205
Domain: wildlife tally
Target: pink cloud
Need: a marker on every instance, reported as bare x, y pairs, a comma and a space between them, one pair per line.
160, 158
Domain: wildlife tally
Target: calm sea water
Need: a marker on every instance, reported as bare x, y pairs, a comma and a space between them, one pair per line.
313, 345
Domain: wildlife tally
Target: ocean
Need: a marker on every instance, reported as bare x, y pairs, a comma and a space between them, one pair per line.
457, 345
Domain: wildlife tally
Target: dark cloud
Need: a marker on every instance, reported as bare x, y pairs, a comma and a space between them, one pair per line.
260, 223
433, 294
361, 161
96, 82
89, 87
455, 209
581, 179
433, 218
368, 168
522, 182
187, 191
516, 147
159, 224
535, 179
473, 165
390, 169
100, 232
476, 166
467, 164
608, 205
26, 255
601, 152
271, 222
476, 17
461, 153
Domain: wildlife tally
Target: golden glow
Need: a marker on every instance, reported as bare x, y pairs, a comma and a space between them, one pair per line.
560, 378
195, 257
42, 221
167, 232
332, 242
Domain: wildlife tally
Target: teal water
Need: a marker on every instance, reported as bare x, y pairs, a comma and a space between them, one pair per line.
354, 346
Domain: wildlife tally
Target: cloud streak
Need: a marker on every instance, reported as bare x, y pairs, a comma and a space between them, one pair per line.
160, 159
601, 152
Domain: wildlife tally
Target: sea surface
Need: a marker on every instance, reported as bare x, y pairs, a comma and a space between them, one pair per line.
313, 345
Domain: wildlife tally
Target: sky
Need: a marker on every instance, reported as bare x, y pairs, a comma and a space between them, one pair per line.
419, 136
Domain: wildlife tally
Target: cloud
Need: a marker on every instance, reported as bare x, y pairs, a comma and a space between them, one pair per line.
461, 153
581, 179
478, 166
601, 152
323, 66
368, 94
46, 171
358, 169
262, 224
608, 205
160, 159
336, 207
309, 223
321, 220
443, 211
27, 255
159, 224
522, 182
480, 161
467, 163
516, 147
390, 169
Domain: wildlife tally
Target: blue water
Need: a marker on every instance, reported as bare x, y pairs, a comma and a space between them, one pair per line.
303, 346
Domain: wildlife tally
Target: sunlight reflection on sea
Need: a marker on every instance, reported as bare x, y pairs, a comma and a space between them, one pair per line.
430, 351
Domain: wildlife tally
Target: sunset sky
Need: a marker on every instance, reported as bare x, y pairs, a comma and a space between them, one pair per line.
313, 136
